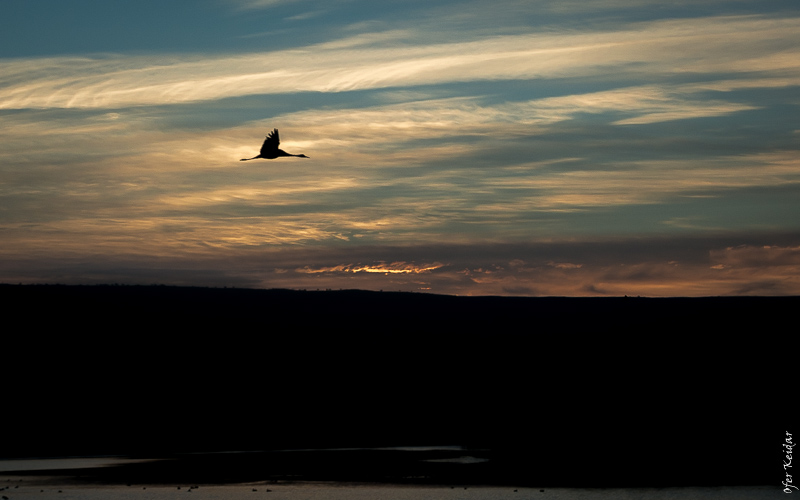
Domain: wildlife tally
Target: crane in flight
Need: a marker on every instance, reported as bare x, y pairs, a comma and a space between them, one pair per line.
270, 151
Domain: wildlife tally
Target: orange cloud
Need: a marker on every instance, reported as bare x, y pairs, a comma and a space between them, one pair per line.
393, 268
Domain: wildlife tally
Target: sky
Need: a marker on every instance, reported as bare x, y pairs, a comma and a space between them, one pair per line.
512, 147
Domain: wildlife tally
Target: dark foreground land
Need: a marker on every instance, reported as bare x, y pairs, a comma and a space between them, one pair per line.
552, 391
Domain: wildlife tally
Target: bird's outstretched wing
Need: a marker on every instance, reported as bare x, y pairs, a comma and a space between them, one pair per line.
270, 143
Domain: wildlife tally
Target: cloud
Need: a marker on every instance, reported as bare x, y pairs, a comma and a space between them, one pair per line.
751, 256
262, 4
484, 165
651, 181
393, 173
638, 266
379, 267
710, 45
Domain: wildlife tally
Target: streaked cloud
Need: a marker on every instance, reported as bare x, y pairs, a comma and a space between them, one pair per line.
531, 149
647, 267
379, 267
262, 4
697, 46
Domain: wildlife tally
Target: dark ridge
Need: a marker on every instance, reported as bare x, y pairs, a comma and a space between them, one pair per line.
569, 391
383, 312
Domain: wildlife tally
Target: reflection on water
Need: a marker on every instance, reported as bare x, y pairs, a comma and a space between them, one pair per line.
31, 464
34, 464
466, 459
395, 448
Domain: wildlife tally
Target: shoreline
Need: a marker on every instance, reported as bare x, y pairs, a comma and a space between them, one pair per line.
432, 468
369, 491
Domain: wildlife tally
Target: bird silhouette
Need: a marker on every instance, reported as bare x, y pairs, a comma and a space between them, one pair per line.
270, 151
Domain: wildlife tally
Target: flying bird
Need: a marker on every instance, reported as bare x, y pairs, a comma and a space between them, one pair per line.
270, 151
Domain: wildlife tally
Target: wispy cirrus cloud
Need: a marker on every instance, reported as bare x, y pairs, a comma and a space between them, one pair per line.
379, 135
366, 191
530, 149
262, 4
698, 46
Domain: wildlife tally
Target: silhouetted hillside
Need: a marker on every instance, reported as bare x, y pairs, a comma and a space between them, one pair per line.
578, 390
98, 308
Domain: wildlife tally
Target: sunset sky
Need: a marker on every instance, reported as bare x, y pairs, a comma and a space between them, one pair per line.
511, 147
